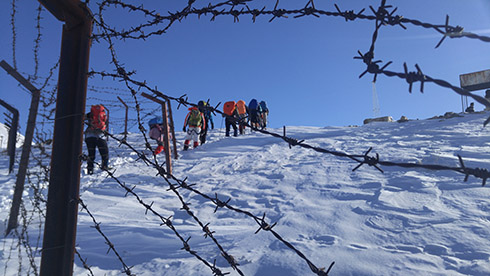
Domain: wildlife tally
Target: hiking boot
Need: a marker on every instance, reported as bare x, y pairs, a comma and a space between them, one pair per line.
105, 166
186, 147
90, 171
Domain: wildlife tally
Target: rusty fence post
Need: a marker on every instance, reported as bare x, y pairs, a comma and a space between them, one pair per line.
64, 184
13, 125
168, 157
125, 118
172, 129
26, 148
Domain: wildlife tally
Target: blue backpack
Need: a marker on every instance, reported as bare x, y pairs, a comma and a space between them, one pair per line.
253, 105
263, 105
155, 121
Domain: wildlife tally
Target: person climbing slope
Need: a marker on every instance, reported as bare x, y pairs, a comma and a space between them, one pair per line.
206, 111
94, 137
254, 111
195, 121
242, 111
230, 112
156, 133
263, 114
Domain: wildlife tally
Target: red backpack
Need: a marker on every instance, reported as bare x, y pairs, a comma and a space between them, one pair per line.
229, 107
98, 117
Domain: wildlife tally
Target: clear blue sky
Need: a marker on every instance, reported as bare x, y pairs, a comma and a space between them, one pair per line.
303, 68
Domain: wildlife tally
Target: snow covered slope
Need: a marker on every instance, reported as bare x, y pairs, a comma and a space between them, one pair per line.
4, 137
400, 222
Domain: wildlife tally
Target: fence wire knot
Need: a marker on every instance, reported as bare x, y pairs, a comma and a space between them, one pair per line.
412, 77
219, 203
449, 31
371, 161
321, 271
348, 15
187, 247
231, 260
207, 232
484, 174
264, 225
217, 271
167, 222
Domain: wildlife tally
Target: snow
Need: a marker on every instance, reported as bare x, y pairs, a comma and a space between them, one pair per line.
4, 137
400, 222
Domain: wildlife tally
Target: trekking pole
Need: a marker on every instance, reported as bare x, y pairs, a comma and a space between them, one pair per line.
221, 127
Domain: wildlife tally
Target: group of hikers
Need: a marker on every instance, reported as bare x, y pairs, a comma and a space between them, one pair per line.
196, 125
255, 114
199, 119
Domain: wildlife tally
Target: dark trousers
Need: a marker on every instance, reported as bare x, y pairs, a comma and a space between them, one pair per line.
230, 122
100, 143
204, 132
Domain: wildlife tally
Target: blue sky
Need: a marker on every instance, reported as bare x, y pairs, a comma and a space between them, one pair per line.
303, 68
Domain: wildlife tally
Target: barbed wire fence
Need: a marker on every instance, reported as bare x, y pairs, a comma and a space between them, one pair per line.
38, 175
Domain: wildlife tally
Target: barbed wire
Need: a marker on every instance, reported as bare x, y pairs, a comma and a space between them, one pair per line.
14, 34
37, 41
84, 262
261, 221
384, 15
126, 268
359, 158
166, 221
381, 14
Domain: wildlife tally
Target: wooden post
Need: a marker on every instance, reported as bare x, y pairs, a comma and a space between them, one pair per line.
26, 148
168, 157
125, 118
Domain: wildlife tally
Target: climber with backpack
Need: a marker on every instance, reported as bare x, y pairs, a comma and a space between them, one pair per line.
94, 137
230, 112
263, 114
242, 111
157, 133
206, 111
195, 121
254, 111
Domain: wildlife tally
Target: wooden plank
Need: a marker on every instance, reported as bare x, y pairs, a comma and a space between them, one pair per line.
475, 81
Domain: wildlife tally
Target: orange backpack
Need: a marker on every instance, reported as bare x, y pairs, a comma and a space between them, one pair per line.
241, 107
229, 107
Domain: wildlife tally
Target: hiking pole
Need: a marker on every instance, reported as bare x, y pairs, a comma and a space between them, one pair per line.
221, 126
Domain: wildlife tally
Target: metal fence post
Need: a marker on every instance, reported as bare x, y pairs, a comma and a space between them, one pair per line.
125, 118
168, 156
26, 148
13, 126
63, 194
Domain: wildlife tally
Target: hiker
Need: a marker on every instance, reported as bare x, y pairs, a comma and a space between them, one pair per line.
156, 133
195, 120
263, 114
206, 111
254, 111
471, 108
230, 112
242, 111
94, 137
